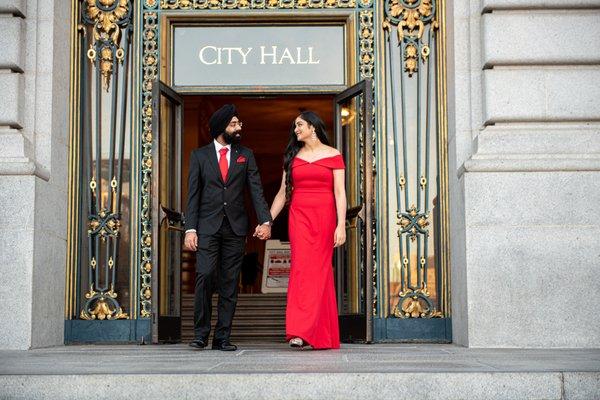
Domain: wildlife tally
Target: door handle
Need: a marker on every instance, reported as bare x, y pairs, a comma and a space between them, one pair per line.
174, 218
353, 213
357, 211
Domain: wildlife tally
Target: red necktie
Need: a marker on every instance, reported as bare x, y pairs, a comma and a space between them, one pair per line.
223, 163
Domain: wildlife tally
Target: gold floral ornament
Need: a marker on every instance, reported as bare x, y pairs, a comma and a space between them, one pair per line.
416, 304
410, 16
106, 16
102, 311
410, 59
256, 4
101, 306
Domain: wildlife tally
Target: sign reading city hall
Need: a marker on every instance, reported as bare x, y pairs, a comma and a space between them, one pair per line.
258, 56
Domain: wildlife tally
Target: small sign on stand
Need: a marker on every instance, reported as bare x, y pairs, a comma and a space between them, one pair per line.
276, 267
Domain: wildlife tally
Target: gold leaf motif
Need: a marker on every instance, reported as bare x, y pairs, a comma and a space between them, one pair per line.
101, 311
412, 211
258, 4
91, 292
148, 267
412, 307
106, 28
410, 56
412, 19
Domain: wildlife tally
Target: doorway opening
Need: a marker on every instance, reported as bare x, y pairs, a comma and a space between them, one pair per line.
267, 119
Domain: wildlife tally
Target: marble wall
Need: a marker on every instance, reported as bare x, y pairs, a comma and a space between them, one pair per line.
34, 83
525, 172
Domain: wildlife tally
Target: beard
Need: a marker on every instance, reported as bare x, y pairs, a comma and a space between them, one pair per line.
234, 138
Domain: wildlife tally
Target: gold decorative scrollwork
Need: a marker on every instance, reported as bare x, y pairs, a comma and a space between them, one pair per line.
150, 68
150, 61
415, 304
107, 16
101, 306
254, 4
102, 311
413, 222
411, 17
104, 224
367, 57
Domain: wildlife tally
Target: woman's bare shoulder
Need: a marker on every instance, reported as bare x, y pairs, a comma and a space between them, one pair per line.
332, 151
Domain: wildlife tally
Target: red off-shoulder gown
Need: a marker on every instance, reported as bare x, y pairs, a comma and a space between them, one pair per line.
311, 312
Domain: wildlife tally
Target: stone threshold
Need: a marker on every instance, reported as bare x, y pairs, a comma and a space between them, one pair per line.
273, 371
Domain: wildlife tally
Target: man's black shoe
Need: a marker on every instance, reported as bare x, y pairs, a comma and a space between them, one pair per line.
224, 346
198, 344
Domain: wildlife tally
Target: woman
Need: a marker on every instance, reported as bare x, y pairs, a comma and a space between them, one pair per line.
313, 184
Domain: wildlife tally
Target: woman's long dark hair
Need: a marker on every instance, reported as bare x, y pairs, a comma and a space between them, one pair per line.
294, 146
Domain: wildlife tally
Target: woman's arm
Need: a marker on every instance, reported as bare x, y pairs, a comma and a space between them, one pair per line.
279, 200
339, 190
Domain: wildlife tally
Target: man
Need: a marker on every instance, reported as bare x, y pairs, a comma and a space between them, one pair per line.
216, 222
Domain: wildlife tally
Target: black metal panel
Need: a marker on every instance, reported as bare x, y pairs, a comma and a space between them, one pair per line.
414, 330
114, 331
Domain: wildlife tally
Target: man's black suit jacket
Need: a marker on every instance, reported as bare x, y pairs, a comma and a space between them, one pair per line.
210, 199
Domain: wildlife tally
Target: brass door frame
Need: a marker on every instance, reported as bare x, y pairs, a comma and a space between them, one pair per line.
160, 89
154, 63
365, 212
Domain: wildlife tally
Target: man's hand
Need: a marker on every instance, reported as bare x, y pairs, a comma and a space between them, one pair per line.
263, 232
191, 241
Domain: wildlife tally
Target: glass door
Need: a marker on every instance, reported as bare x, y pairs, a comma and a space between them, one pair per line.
354, 260
167, 221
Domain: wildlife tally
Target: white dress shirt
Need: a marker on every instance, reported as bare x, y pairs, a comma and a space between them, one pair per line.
218, 147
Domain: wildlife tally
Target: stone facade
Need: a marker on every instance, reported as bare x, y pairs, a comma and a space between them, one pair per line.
525, 152
524, 148
34, 87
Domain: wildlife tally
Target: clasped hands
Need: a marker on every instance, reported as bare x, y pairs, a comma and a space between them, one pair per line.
263, 232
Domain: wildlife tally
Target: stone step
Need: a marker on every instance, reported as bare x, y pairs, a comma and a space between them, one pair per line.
274, 371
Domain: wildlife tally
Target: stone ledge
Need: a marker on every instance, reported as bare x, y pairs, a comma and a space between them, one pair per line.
489, 5
270, 369
11, 103
439, 386
12, 44
546, 32
529, 163
22, 166
545, 139
541, 94
15, 7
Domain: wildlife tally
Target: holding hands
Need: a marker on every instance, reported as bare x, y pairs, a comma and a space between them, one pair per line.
263, 232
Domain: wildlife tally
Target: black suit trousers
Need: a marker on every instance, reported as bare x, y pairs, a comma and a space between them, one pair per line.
220, 253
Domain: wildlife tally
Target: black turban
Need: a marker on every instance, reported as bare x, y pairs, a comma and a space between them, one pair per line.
221, 118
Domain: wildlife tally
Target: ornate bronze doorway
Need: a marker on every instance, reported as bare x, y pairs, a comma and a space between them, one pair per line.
122, 48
